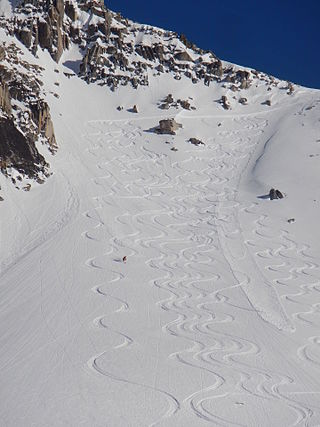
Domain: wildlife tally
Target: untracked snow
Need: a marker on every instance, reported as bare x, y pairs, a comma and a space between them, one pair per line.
213, 320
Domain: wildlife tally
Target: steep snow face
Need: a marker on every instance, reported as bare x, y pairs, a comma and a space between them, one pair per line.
7, 6
151, 281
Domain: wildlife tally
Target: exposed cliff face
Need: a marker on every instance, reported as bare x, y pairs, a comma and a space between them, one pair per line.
18, 151
40, 23
24, 116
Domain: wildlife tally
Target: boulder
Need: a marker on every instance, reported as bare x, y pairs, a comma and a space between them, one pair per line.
196, 141
275, 194
243, 101
290, 88
279, 194
225, 103
183, 56
168, 127
165, 106
169, 98
184, 104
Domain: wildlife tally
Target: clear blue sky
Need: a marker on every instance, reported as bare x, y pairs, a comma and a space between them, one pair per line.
279, 37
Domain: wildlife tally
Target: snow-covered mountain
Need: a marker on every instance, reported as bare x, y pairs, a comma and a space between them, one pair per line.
146, 276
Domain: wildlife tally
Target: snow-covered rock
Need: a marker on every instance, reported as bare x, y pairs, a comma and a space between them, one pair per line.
149, 280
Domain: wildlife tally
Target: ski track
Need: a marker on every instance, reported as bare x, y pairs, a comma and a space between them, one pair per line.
191, 242
43, 235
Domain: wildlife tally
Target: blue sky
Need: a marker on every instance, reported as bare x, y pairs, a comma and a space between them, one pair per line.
280, 37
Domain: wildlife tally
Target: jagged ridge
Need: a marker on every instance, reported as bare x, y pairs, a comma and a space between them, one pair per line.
115, 51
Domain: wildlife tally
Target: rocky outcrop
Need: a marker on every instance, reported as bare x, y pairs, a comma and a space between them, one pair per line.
185, 104
169, 102
25, 117
168, 127
290, 88
40, 23
40, 114
2, 53
116, 51
183, 56
5, 99
71, 11
19, 152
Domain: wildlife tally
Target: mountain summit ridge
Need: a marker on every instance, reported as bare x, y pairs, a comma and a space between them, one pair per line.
99, 46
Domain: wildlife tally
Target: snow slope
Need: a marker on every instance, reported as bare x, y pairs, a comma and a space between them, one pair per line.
214, 318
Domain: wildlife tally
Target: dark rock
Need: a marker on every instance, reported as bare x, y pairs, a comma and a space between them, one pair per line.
45, 35
186, 42
272, 194
196, 141
41, 116
245, 84
27, 187
168, 127
2, 53
25, 36
275, 194
169, 99
17, 151
165, 106
183, 56
70, 11
151, 53
59, 5
184, 104
243, 101
225, 103
290, 88
5, 98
